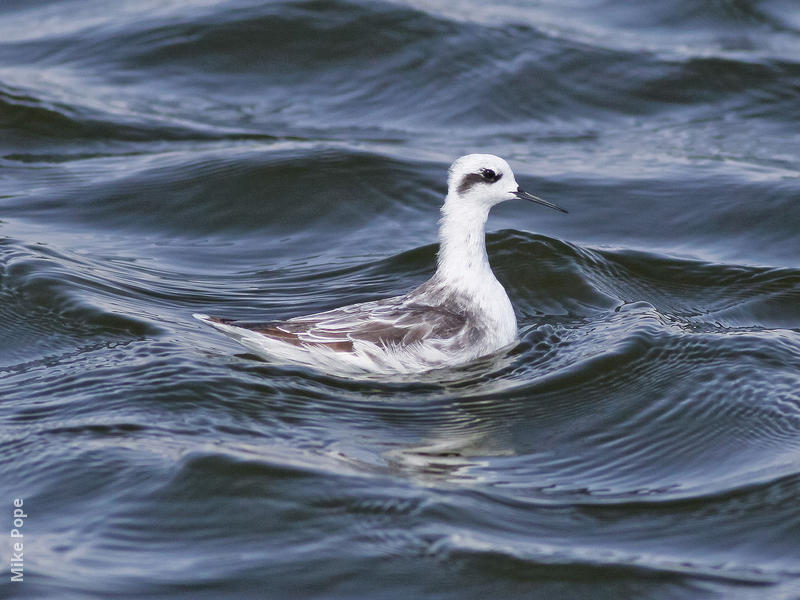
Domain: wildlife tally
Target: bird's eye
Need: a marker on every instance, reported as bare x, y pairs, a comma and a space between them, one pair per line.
489, 175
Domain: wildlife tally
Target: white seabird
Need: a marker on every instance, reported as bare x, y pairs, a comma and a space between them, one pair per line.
461, 313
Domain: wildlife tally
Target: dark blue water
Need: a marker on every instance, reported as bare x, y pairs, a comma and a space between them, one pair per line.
260, 160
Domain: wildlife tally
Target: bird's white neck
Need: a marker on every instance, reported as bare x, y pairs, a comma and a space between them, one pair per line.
463, 266
462, 260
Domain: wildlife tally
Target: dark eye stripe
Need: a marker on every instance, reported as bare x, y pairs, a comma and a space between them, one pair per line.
468, 181
484, 176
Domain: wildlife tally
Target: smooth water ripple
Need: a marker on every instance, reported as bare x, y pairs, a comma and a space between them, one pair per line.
260, 161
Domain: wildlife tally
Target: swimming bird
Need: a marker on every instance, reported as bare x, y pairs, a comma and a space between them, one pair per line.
461, 313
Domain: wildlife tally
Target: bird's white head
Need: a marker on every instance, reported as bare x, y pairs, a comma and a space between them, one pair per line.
485, 180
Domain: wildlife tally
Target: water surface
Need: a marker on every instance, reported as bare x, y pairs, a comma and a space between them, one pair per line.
264, 160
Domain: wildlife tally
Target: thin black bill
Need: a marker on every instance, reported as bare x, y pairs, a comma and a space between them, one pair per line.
523, 195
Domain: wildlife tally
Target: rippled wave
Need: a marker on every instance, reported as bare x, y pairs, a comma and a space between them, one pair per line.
265, 160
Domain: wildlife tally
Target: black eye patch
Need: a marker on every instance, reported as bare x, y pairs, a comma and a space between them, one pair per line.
482, 176
490, 175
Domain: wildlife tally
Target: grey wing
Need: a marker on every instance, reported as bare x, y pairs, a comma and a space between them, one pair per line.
390, 322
